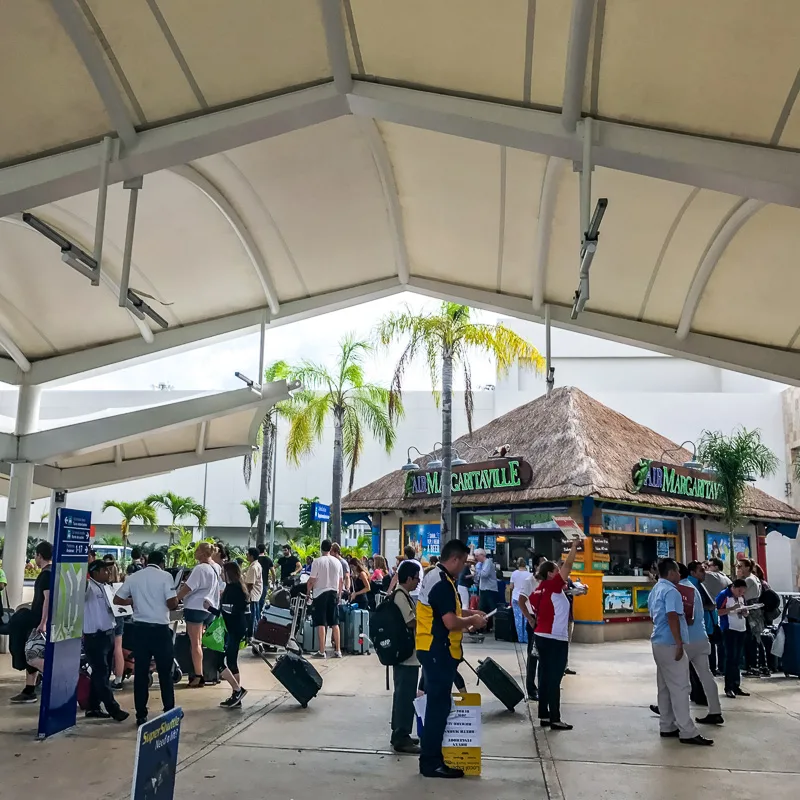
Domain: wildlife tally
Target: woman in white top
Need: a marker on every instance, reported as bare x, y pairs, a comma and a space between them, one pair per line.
521, 580
200, 592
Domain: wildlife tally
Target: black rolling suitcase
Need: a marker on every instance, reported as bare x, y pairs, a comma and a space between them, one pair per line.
212, 661
499, 682
505, 630
297, 676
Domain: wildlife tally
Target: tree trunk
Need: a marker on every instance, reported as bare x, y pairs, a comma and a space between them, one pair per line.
338, 476
264, 484
447, 441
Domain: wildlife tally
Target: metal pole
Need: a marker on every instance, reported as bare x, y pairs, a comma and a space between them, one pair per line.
125, 279
586, 177
274, 476
549, 379
102, 197
260, 380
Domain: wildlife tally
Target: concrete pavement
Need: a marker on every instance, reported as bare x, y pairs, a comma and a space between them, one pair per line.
340, 742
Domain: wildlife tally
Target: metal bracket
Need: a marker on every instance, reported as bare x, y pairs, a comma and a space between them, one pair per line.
102, 198
134, 185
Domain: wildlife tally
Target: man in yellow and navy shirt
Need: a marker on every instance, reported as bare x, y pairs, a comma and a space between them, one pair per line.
440, 626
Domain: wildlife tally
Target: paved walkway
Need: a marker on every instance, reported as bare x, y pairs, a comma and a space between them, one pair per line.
339, 744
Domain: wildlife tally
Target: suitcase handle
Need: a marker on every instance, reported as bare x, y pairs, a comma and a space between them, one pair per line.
464, 661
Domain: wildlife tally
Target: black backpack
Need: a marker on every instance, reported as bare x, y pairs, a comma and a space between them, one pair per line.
772, 604
392, 639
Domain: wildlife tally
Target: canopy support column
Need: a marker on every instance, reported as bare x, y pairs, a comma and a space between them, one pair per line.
102, 197
20, 491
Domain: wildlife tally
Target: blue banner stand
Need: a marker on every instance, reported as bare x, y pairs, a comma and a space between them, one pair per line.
156, 760
62, 656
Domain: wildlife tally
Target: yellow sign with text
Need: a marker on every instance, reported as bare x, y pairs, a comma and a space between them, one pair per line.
461, 746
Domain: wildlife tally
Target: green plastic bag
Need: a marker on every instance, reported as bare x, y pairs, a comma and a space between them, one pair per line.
214, 637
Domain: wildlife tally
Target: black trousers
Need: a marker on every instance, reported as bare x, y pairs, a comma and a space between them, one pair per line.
487, 601
734, 647
755, 654
553, 655
531, 665
405, 691
152, 642
438, 670
98, 647
716, 658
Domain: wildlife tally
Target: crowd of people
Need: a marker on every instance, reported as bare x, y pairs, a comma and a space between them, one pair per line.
706, 624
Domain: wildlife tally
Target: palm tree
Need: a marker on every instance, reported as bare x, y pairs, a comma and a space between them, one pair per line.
178, 508
136, 509
253, 507
266, 441
446, 340
355, 406
737, 459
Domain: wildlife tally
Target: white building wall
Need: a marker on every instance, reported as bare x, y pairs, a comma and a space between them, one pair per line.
678, 398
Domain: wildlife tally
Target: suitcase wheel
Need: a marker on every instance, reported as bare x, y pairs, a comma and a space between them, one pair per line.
150, 680
176, 674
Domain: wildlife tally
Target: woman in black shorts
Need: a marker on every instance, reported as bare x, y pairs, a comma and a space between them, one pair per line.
234, 607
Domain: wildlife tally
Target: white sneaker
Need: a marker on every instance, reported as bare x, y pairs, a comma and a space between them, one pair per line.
319, 655
338, 654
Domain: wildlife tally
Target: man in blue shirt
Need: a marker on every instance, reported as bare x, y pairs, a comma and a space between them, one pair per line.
670, 634
698, 647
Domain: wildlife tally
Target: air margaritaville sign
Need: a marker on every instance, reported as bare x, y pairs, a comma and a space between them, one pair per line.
654, 477
496, 475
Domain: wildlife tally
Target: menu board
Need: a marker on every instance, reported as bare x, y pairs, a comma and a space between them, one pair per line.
569, 528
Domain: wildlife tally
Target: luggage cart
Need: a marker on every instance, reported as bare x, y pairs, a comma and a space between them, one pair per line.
278, 628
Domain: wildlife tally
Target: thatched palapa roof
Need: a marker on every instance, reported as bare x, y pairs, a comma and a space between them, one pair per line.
576, 447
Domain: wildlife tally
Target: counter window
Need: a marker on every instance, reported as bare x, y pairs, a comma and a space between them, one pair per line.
485, 522
630, 554
619, 522
656, 525
530, 519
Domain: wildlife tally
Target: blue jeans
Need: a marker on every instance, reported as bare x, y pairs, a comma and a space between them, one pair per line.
520, 623
438, 671
255, 613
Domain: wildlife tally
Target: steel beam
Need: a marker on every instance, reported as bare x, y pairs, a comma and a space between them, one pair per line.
91, 53
713, 252
383, 164
82, 437
79, 478
49, 178
96, 360
336, 42
547, 207
746, 170
580, 32
759, 360
225, 207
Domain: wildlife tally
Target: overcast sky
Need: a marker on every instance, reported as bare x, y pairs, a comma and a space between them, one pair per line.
213, 367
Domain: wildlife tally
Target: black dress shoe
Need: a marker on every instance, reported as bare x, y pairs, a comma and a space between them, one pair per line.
140, 721
710, 719
701, 741
730, 693
561, 726
96, 713
655, 710
443, 772
413, 740
569, 671
670, 734
407, 747
741, 693
120, 715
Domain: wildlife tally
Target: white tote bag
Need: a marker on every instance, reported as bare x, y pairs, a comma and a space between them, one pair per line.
779, 642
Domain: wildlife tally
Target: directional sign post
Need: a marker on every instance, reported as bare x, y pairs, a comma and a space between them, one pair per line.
321, 513
62, 657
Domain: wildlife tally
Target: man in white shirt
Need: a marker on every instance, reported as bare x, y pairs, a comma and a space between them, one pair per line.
254, 580
152, 594
410, 555
98, 643
325, 588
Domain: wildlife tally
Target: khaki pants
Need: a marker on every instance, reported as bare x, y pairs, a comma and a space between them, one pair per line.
673, 691
697, 653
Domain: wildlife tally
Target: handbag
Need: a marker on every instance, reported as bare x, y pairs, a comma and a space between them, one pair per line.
214, 637
779, 642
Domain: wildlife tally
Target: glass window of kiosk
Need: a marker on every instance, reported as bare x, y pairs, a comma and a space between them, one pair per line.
485, 522
634, 555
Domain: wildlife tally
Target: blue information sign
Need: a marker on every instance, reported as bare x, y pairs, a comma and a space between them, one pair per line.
157, 757
490, 543
62, 657
321, 513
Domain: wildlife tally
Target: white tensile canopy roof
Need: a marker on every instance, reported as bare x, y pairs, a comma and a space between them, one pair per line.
306, 155
143, 442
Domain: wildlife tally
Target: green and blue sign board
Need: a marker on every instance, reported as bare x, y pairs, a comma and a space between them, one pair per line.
62, 657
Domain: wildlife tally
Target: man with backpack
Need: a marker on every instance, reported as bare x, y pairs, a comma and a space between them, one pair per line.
406, 672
